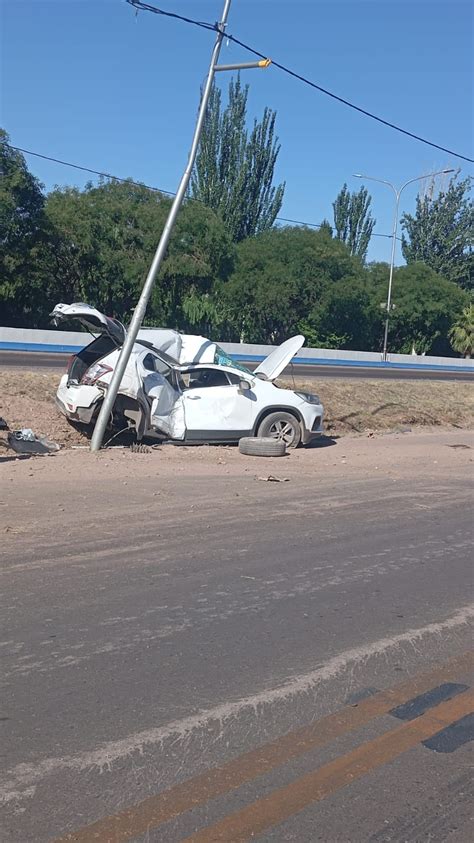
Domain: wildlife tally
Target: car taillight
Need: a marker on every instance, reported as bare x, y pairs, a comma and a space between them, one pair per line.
98, 370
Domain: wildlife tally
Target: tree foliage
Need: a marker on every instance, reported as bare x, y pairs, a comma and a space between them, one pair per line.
279, 279
346, 316
96, 245
234, 170
424, 307
462, 332
22, 231
104, 240
441, 233
353, 221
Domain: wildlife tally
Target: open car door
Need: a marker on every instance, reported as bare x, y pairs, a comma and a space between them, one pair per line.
159, 392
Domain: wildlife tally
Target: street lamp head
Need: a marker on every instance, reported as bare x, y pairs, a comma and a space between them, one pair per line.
451, 170
358, 175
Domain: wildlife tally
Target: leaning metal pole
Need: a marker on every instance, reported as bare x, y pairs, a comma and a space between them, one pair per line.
139, 312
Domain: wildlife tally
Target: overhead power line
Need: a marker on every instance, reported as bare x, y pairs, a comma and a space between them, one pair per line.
142, 184
138, 5
84, 169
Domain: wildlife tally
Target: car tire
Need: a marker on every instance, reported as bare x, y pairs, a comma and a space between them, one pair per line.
282, 427
258, 446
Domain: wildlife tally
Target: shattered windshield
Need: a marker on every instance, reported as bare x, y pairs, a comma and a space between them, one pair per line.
223, 359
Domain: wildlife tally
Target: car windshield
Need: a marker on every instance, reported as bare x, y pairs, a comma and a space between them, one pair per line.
223, 359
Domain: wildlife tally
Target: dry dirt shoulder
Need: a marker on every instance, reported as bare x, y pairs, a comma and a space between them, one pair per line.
27, 400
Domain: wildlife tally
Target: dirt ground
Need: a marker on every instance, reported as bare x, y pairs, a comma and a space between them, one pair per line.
27, 400
75, 487
351, 406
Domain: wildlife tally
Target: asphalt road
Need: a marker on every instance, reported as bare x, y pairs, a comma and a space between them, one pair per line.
35, 359
167, 627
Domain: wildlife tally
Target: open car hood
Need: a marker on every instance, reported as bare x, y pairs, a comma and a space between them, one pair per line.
91, 318
279, 358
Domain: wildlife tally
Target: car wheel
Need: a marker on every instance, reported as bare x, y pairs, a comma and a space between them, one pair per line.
283, 427
255, 446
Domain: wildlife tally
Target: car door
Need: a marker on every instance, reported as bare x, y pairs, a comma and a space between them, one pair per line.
215, 407
159, 393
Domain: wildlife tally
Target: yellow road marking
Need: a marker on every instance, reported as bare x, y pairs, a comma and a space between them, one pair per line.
165, 806
317, 785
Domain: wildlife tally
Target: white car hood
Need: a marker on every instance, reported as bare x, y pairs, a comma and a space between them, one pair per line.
279, 358
91, 318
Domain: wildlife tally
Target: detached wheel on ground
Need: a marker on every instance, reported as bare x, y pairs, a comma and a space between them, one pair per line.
258, 446
283, 427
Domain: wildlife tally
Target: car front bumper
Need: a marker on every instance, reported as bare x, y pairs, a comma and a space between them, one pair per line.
312, 422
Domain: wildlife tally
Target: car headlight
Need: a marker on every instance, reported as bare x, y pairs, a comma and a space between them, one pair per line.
309, 397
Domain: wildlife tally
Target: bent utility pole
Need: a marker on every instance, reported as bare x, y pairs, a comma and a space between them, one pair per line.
139, 312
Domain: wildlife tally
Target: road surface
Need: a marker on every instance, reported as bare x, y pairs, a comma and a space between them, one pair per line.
192, 652
37, 359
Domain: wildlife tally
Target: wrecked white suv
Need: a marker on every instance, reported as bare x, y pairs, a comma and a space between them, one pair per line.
182, 387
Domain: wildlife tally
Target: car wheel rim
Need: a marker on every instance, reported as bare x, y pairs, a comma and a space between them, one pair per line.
283, 431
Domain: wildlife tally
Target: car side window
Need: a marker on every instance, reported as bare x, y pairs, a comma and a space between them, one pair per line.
235, 379
203, 378
148, 362
154, 364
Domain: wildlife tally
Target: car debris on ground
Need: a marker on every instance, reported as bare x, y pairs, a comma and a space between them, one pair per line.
25, 441
272, 479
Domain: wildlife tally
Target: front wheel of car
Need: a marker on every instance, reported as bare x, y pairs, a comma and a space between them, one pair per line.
282, 426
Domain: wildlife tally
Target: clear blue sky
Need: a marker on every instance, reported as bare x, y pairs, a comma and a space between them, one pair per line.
89, 82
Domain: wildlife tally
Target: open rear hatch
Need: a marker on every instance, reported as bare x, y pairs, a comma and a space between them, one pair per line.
109, 334
92, 319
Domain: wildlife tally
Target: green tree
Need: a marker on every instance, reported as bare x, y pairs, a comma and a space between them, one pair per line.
346, 316
102, 242
425, 305
106, 237
279, 278
234, 170
326, 227
462, 332
353, 221
441, 233
22, 231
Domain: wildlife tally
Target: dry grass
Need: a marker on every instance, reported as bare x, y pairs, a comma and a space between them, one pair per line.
27, 400
371, 404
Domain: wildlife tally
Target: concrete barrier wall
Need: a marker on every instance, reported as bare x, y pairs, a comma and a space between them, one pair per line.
69, 342
27, 339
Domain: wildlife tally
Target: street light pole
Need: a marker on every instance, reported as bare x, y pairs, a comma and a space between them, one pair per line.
397, 193
139, 312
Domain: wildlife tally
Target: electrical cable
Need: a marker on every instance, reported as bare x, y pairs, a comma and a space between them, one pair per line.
84, 169
147, 186
138, 5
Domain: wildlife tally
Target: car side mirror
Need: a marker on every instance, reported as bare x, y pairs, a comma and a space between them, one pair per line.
244, 386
